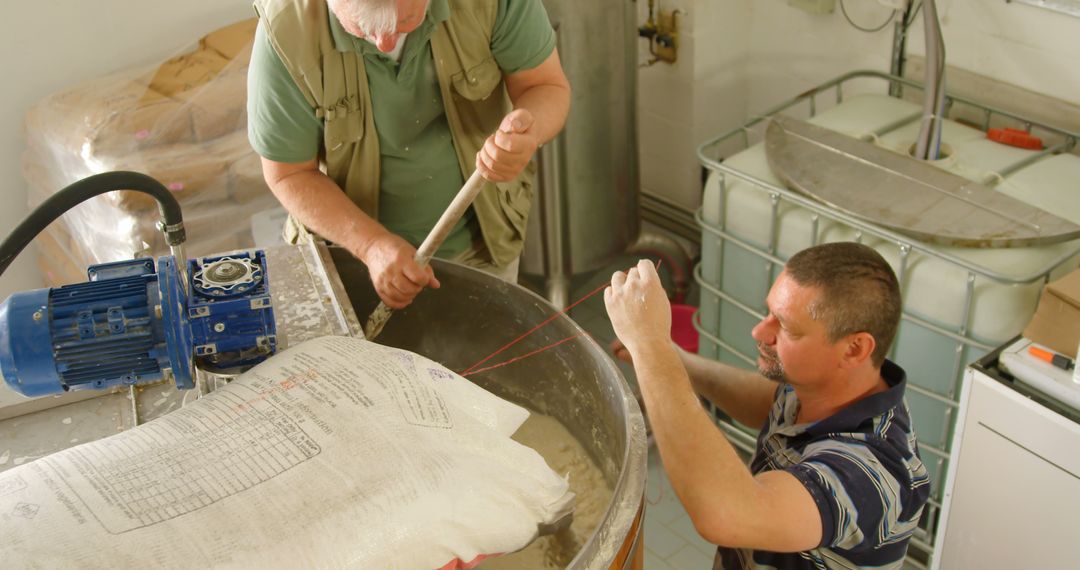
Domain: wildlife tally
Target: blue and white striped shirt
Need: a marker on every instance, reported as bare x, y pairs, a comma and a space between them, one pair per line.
862, 467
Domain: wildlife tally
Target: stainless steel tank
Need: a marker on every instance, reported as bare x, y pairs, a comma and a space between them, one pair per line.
475, 314
587, 209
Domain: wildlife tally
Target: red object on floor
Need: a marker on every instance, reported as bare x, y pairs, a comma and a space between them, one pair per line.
682, 327
1015, 137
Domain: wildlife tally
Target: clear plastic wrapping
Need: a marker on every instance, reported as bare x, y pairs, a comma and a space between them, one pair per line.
183, 122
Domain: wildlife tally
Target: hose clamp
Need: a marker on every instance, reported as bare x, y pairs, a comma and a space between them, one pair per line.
174, 233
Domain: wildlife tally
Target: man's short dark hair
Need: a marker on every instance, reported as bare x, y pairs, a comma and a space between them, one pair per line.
858, 291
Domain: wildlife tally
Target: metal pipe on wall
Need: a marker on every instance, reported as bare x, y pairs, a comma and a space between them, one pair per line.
552, 217
676, 259
898, 58
929, 140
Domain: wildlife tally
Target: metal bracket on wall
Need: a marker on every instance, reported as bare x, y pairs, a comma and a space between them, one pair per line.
662, 34
1070, 7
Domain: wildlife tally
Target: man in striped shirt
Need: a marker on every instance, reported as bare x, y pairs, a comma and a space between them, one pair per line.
836, 480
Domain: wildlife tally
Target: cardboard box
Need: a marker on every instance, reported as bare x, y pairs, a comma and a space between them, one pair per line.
1056, 323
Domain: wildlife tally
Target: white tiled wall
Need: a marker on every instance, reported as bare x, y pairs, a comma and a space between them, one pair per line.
682, 103
739, 57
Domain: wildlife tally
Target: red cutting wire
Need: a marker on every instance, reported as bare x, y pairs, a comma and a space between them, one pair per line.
469, 370
524, 356
472, 369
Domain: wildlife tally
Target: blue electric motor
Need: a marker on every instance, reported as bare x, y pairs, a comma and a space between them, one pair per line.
132, 324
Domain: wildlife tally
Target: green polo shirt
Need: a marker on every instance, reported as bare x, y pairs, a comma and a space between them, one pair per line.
419, 171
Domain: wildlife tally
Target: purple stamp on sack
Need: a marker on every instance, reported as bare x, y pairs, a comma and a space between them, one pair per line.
440, 374
25, 510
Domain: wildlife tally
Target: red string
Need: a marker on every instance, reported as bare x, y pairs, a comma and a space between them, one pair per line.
472, 369
469, 370
517, 358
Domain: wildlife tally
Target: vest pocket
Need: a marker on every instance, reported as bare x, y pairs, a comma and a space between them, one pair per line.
478, 81
343, 123
515, 200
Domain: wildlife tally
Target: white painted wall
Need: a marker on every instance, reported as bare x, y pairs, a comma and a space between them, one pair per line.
740, 57
51, 44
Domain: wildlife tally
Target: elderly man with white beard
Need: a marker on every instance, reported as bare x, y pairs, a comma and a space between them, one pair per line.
369, 115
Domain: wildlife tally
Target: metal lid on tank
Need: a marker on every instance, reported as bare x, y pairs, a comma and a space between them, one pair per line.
909, 196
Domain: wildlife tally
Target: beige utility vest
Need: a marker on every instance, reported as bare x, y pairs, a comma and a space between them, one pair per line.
335, 84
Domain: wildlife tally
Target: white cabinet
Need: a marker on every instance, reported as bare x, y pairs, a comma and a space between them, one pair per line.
1012, 494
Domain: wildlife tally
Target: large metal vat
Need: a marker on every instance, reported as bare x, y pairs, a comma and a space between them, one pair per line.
474, 315
587, 207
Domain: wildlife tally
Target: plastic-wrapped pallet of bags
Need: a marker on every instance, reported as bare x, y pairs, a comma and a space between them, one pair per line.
56, 261
182, 122
335, 453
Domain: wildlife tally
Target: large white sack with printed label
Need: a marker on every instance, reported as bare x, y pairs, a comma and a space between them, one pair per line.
335, 453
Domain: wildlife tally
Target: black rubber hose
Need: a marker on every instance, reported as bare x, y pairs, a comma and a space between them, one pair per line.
77, 193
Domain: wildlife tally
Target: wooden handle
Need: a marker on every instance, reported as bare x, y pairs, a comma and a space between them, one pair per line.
449, 218
434, 239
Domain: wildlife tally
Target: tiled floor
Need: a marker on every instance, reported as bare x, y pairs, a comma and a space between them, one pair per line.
670, 539
671, 543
